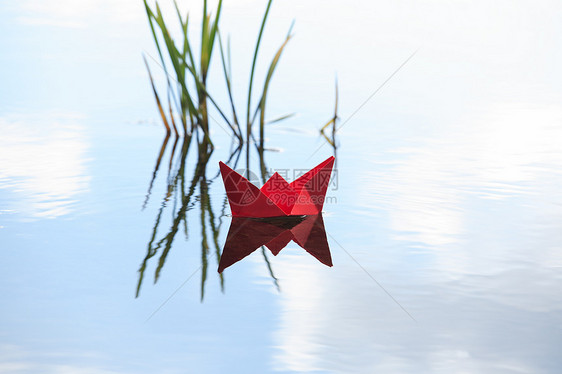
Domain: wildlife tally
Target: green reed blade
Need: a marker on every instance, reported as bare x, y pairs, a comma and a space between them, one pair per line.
151, 19
172, 114
186, 45
282, 118
330, 122
270, 72
227, 77
160, 109
248, 123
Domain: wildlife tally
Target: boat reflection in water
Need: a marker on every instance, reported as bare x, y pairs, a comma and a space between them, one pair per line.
248, 234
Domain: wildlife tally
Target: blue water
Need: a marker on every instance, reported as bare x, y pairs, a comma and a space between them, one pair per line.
443, 217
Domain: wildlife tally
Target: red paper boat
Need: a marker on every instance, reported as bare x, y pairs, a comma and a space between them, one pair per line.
248, 234
277, 197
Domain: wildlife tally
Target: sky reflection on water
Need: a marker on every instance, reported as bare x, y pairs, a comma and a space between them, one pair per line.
43, 162
448, 195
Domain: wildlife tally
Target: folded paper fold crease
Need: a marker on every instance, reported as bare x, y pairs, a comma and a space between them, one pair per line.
277, 198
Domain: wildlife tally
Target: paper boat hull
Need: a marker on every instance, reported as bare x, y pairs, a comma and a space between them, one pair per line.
277, 197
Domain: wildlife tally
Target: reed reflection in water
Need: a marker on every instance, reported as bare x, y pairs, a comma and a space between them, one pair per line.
181, 191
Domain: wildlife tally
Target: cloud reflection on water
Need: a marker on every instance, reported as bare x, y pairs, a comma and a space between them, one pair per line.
471, 216
42, 164
426, 185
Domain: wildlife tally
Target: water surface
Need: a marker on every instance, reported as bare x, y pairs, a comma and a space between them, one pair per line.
443, 218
